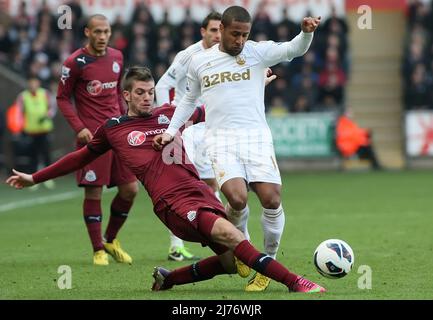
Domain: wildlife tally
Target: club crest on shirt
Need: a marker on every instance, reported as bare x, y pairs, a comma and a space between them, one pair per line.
241, 59
163, 119
136, 138
116, 67
191, 215
90, 176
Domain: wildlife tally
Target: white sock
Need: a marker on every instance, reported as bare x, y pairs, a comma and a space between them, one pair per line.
273, 225
217, 194
239, 219
175, 241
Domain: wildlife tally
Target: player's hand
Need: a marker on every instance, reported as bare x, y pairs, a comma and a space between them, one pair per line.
84, 136
20, 180
161, 140
269, 77
310, 24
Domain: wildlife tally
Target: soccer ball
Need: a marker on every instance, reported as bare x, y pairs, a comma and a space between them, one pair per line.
334, 258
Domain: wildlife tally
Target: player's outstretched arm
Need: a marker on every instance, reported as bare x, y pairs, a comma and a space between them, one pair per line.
20, 180
69, 163
301, 43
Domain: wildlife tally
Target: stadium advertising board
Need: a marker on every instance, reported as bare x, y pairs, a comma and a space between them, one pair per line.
303, 135
419, 133
199, 8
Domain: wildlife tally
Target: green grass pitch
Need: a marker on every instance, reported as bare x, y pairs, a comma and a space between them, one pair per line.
386, 217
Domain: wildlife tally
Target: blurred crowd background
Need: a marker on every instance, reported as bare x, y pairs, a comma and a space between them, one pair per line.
418, 57
32, 44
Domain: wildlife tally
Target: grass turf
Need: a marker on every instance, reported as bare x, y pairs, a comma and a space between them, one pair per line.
384, 216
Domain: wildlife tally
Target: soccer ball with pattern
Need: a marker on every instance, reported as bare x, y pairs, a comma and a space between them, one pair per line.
334, 258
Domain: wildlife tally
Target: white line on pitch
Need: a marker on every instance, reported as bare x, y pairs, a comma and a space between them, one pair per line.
40, 200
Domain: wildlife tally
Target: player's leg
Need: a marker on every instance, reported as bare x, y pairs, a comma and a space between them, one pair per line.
202, 270
273, 221
121, 204
230, 174
119, 210
174, 250
92, 213
189, 230
224, 233
265, 180
92, 177
236, 193
273, 217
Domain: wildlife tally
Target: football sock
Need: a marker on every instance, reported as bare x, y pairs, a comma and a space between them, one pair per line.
239, 219
264, 264
119, 213
93, 218
273, 221
175, 242
199, 271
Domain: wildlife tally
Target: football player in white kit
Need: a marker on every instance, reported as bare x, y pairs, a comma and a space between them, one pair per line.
229, 79
193, 137
175, 78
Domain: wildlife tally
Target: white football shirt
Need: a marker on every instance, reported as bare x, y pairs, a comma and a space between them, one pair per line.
232, 88
175, 76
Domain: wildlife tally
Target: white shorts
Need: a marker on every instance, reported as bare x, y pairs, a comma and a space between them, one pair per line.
250, 159
195, 147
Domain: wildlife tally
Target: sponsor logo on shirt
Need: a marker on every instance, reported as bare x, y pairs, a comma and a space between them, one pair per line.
90, 176
163, 119
154, 132
136, 138
65, 74
116, 67
95, 87
191, 215
217, 78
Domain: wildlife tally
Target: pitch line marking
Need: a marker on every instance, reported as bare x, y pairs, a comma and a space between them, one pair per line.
41, 200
